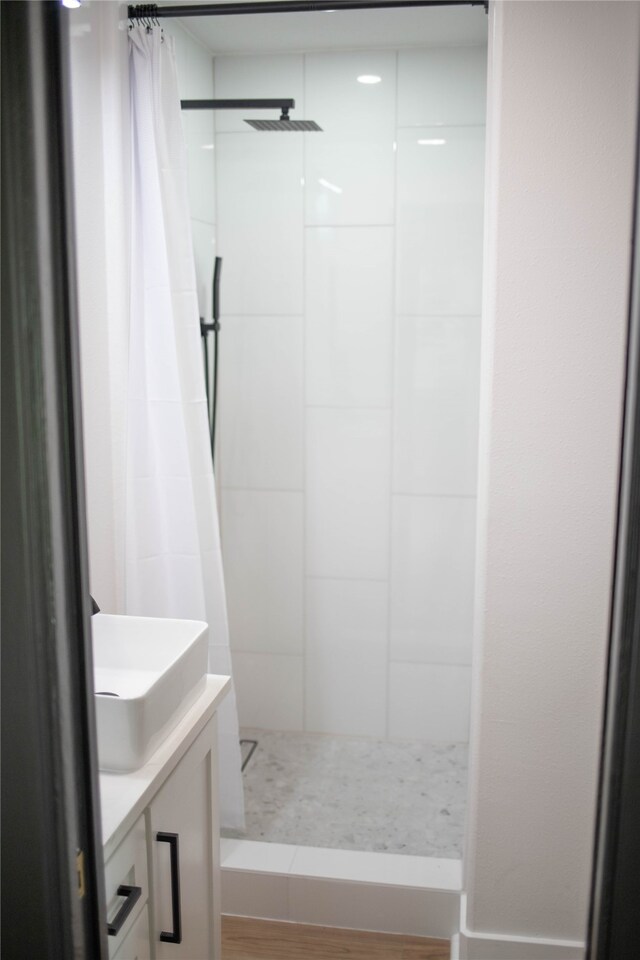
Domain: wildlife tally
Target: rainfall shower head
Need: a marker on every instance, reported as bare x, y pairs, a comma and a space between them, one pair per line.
281, 104
285, 124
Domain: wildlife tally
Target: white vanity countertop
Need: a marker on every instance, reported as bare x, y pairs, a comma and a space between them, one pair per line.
124, 796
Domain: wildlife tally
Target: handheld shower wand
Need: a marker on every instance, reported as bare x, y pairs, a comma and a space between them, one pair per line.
211, 375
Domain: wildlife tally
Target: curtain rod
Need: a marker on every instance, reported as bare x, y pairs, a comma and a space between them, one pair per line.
151, 11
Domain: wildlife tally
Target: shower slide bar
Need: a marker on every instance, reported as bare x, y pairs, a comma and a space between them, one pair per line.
151, 11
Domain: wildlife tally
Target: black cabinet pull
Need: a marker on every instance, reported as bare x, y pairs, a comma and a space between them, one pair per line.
176, 935
132, 895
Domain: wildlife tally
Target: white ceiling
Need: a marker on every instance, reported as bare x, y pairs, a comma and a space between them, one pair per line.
340, 30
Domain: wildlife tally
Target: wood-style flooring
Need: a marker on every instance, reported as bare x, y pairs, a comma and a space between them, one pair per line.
246, 939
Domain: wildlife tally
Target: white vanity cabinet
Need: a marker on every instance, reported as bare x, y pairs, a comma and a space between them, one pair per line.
185, 869
127, 892
136, 944
161, 845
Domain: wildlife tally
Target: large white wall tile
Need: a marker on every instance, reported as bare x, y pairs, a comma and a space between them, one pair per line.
446, 86
349, 168
346, 657
432, 572
257, 77
262, 541
261, 403
339, 103
201, 72
429, 702
439, 216
194, 63
348, 490
199, 138
349, 316
204, 250
269, 690
349, 180
260, 222
436, 405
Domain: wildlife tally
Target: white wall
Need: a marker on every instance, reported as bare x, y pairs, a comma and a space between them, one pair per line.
101, 130
561, 129
349, 370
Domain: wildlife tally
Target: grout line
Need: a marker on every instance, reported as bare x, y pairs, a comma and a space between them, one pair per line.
348, 408
348, 226
267, 316
342, 579
392, 385
431, 663
304, 422
229, 488
442, 317
435, 496
205, 223
421, 47
442, 126
267, 653
400, 315
220, 426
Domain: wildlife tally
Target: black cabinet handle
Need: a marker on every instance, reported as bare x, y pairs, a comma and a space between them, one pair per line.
132, 895
176, 935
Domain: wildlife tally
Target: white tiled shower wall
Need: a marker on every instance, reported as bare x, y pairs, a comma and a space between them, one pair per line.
349, 388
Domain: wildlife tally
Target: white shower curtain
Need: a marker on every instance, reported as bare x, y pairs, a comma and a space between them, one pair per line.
173, 558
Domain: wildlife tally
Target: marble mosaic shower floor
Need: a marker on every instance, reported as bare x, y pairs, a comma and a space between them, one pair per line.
355, 793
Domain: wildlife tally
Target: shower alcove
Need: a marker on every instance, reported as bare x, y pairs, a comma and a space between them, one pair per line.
347, 416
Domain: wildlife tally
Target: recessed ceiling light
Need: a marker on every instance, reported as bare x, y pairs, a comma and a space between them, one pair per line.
432, 143
72, 4
207, 146
369, 78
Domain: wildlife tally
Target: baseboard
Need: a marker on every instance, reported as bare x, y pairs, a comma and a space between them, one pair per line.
471, 945
381, 892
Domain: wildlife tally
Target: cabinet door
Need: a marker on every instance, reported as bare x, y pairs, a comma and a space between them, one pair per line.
128, 867
184, 848
135, 945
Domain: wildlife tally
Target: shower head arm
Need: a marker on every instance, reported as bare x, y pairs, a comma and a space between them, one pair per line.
256, 104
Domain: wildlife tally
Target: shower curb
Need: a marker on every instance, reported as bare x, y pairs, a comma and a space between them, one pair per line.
381, 892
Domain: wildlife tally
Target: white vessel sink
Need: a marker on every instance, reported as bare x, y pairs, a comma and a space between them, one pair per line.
147, 673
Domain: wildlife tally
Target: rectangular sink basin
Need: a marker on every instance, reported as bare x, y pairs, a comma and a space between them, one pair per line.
147, 673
